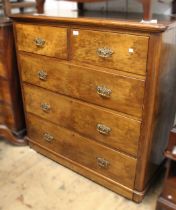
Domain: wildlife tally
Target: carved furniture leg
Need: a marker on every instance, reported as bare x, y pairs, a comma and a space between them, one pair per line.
14, 139
147, 9
40, 6
174, 7
6, 7
81, 6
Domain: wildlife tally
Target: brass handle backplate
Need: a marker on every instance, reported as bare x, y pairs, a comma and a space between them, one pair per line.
103, 129
39, 42
47, 137
102, 163
45, 107
103, 91
42, 75
104, 52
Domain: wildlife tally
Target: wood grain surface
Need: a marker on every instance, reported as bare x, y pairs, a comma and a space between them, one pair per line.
55, 45
80, 82
83, 151
87, 42
84, 118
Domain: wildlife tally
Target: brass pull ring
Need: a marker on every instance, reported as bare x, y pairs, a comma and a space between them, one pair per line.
102, 163
45, 107
47, 137
103, 129
104, 52
103, 91
42, 75
39, 42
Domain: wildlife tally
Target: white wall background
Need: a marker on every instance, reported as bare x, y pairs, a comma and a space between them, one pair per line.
133, 6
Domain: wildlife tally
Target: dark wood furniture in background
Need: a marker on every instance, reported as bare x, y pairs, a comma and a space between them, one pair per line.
12, 125
146, 4
8, 5
167, 199
174, 7
102, 102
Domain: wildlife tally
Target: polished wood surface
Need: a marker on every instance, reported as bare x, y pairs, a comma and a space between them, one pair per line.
83, 151
84, 118
101, 20
138, 136
12, 124
129, 52
55, 46
68, 79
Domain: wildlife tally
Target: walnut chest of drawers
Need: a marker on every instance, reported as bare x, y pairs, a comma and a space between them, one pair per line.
98, 95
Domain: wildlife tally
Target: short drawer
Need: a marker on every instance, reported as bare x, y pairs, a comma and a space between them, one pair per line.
108, 162
105, 126
110, 90
113, 50
43, 40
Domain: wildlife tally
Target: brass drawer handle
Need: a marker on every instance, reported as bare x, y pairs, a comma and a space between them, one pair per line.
102, 163
42, 75
104, 52
45, 107
39, 42
103, 129
47, 137
103, 91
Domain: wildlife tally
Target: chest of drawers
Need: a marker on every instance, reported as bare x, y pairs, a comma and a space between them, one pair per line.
12, 125
98, 95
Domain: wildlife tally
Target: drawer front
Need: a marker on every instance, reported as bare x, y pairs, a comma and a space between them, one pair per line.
113, 50
103, 160
113, 91
44, 40
91, 121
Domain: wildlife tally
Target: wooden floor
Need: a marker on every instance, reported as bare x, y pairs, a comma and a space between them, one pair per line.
28, 180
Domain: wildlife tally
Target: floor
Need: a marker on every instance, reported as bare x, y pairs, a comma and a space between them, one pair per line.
28, 180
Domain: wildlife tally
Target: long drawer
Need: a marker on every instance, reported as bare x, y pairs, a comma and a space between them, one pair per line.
110, 90
113, 50
108, 162
43, 40
94, 122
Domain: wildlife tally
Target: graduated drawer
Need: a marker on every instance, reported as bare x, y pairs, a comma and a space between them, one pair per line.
106, 161
113, 50
99, 87
43, 40
94, 122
